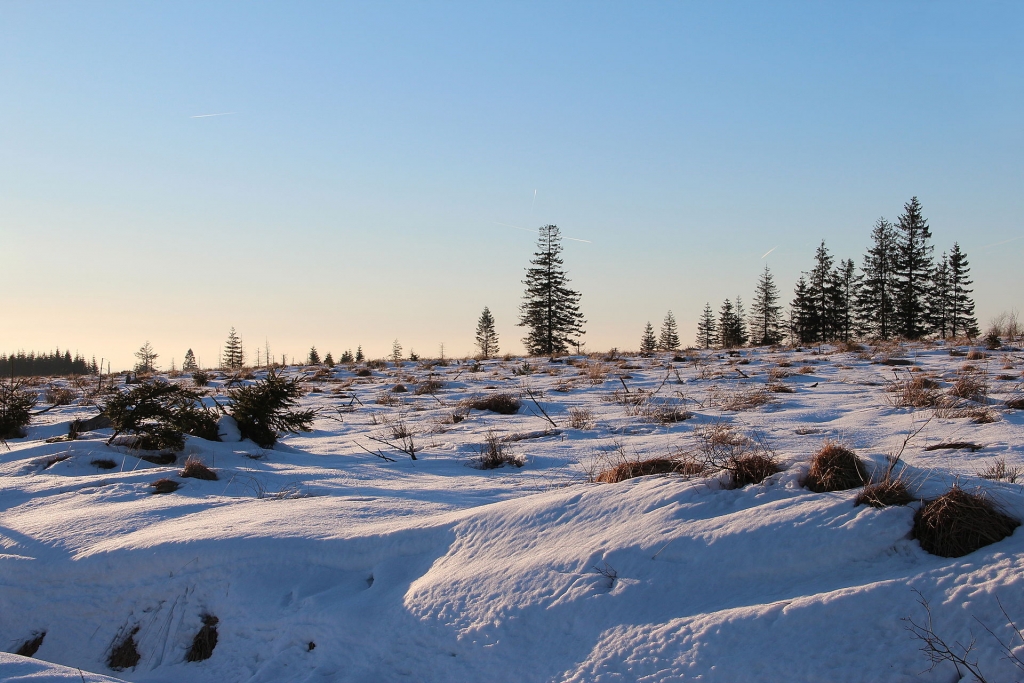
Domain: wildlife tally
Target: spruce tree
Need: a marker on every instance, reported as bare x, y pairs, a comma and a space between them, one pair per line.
741, 323
730, 326
146, 356
820, 315
802, 326
550, 309
843, 293
668, 340
234, 358
961, 313
707, 329
486, 336
875, 299
648, 343
314, 357
913, 271
939, 295
190, 362
329, 360
360, 356
766, 316
346, 356
396, 351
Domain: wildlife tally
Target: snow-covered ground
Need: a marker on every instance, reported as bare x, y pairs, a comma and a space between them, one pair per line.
322, 561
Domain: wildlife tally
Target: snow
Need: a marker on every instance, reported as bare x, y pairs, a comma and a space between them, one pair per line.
433, 570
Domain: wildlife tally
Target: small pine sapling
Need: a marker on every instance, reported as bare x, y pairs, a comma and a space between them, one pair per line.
648, 342
262, 409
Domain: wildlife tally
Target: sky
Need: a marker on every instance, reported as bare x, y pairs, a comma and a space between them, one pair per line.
367, 160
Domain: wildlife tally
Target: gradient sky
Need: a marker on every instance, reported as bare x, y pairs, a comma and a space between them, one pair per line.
354, 193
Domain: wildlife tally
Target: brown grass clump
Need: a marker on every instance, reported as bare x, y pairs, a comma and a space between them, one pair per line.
753, 468
195, 469
746, 399
581, 417
914, 392
1015, 403
958, 523
642, 468
780, 388
748, 461
31, 646
889, 491
204, 641
165, 485
495, 453
806, 370
975, 354
503, 403
1000, 471
969, 385
124, 653
429, 386
835, 468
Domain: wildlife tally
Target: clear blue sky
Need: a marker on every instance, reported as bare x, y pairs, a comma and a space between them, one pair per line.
354, 192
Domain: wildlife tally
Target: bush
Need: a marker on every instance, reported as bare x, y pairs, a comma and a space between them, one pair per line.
158, 414
15, 410
195, 469
958, 523
495, 453
165, 485
204, 641
502, 403
200, 378
748, 461
835, 468
914, 392
262, 410
581, 417
642, 468
884, 493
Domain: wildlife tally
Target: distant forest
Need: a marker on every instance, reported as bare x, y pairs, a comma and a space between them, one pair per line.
30, 364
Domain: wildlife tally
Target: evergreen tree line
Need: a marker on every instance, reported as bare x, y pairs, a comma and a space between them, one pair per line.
30, 364
900, 290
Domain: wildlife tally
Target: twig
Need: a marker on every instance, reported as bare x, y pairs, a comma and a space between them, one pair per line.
529, 392
377, 454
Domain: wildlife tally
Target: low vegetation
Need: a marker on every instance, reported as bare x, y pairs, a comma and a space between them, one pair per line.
959, 522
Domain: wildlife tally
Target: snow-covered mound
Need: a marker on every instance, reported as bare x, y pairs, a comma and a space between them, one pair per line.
321, 561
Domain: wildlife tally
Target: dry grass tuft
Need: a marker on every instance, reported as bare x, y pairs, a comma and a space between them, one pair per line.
1015, 403
745, 399
581, 417
1000, 471
889, 491
913, 392
399, 389
958, 523
748, 461
31, 646
806, 370
970, 385
835, 468
780, 388
495, 453
165, 485
124, 652
503, 403
204, 641
195, 469
428, 386
975, 354
642, 468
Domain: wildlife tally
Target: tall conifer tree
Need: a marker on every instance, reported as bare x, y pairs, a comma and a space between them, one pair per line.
707, 328
875, 300
550, 309
234, 357
648, 342
486, 336
913, 271
961, 314
668, 340
766, 316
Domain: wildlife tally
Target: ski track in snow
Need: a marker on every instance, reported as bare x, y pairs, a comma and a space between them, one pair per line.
433, 570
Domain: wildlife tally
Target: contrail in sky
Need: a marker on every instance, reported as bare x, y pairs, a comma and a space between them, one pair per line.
203, 116
509, 225
1014, 239
770, 250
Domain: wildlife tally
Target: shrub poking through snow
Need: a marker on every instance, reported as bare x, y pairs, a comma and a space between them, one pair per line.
31, 646
195, 469
200, 378
124, 652
835, 468
642, 468
262, 410
204, 641
503, 403
103, 463
15, 407
888, 491
495, 453
165, 485
958, 523
748, 461
158, 414
581, 417
913, 392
